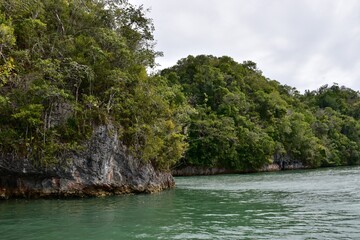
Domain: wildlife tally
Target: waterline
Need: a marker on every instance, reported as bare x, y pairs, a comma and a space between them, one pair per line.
310, 204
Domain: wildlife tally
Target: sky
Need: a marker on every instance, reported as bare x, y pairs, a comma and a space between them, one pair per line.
300, 43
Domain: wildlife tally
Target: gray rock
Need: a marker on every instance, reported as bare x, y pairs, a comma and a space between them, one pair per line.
280, 163
103, 168
200, 170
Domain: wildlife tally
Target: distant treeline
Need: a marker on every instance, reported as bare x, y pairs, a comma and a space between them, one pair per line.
68, 66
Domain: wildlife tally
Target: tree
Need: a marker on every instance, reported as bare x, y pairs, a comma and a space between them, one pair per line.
68, 66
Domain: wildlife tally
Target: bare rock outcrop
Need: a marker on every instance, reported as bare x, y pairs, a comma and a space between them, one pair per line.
104, 167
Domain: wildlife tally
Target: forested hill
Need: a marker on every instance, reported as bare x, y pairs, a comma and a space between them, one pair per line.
244, 120
69, 66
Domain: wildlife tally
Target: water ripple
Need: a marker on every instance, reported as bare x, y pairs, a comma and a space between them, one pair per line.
313, 204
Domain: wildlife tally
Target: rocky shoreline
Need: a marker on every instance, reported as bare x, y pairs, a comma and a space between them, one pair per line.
103, 168
199, 170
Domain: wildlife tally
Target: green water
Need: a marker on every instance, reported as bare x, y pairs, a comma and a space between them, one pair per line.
313, 204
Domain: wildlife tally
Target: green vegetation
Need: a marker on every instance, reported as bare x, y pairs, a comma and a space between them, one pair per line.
244, 121
68, 66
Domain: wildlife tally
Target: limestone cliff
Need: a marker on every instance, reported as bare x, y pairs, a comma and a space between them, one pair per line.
103, 168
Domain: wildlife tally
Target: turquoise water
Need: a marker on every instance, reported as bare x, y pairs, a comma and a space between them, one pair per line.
313, 204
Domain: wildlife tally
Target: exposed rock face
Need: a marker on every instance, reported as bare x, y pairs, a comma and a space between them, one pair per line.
103, 168
198, 170
286, 162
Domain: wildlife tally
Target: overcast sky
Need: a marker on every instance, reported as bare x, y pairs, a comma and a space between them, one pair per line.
301, 43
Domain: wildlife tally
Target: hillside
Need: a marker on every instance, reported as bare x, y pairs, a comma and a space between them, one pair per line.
79, 115
244, 121
68, 66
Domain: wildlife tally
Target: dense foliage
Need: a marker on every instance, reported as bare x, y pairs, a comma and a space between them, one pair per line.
67, 66
244, 120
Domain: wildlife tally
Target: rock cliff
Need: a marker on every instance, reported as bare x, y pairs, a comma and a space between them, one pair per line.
103, 168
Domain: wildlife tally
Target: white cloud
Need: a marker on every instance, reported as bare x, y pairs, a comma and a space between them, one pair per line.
304, 43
